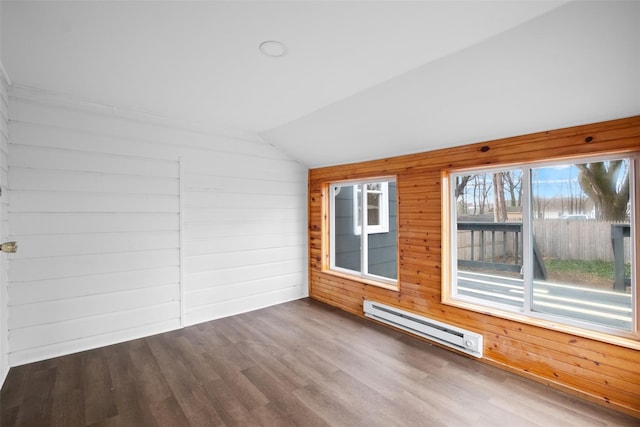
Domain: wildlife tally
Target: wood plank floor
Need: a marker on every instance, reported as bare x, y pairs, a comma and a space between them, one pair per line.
300, 363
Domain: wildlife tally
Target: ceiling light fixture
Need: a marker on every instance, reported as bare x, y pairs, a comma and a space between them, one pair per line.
273, 49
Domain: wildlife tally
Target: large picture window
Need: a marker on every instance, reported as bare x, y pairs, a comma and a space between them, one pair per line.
553, 241
364, 241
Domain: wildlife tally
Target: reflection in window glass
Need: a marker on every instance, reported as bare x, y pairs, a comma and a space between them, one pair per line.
377, 207
374, 201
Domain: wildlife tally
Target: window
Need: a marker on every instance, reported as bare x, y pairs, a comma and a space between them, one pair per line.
553, 241
371, 251
377, 207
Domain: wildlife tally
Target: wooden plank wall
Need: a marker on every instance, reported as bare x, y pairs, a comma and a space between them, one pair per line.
128, 226
4, 203
605, 373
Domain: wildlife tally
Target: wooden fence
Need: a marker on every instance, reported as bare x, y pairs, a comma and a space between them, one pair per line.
585, 240
580, 240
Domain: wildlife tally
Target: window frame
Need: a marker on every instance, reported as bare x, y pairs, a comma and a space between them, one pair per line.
383, 209
329, 266
527, 315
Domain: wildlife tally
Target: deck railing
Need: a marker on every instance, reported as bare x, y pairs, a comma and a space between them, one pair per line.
618, 233
493, 245
498, 246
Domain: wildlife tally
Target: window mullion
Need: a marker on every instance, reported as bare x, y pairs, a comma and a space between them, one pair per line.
634, 191
527, 241
332, 226
453, 238
364, 235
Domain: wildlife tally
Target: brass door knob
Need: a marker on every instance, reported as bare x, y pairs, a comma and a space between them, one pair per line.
9, 247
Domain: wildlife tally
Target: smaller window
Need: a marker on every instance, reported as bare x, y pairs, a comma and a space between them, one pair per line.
364, 242
377, 208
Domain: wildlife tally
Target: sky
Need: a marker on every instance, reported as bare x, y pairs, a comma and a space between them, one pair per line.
547, 182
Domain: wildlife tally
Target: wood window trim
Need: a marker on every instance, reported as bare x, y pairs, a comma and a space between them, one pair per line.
325, 264
630, 343
362, 279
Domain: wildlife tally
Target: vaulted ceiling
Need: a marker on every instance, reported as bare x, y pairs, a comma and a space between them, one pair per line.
360, 80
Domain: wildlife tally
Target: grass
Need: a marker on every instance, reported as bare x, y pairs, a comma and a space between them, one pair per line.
602, 270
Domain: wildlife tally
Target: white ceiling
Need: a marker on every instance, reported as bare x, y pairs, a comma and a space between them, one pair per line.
578, 64
360, 80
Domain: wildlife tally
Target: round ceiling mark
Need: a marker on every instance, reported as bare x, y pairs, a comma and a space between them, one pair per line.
273, 49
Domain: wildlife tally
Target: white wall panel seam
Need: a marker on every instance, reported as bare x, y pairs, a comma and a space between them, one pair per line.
35, 148
41, 291
51, 99
171, 148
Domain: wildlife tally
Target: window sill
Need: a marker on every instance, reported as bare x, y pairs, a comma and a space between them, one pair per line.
629, 341
363, 279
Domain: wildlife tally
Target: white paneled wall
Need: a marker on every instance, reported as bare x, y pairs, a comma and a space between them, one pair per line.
128, 226
244, 235
4, 145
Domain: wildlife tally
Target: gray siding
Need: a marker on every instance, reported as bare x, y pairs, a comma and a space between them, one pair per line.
382, 246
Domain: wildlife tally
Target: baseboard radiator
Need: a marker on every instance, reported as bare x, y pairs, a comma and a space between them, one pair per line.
450, 336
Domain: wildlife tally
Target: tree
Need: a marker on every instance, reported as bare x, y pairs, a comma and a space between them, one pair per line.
461, 183
573, 199
481, 190
512, 181
499, 204
602, 183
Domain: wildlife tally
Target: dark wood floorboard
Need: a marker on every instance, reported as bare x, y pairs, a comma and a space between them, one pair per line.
302, 363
